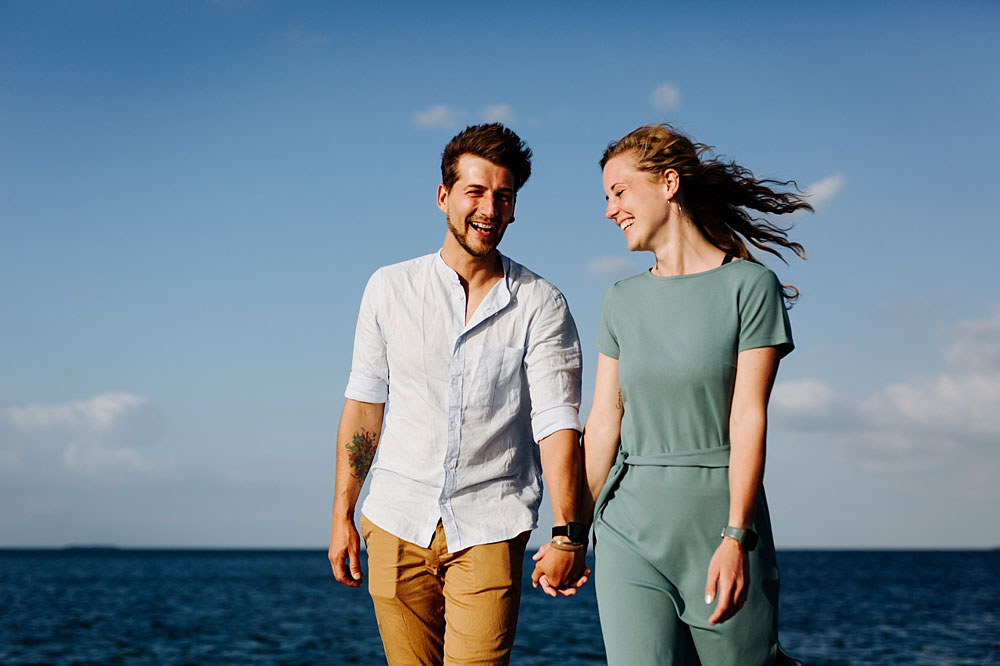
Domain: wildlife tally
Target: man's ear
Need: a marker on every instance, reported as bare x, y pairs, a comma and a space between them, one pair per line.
442, 197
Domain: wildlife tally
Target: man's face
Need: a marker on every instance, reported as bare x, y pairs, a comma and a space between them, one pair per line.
480, 204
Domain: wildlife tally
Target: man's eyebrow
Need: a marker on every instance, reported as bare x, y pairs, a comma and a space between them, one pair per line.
479, 186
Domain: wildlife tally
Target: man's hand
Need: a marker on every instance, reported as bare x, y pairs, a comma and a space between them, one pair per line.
559, 572
345, 549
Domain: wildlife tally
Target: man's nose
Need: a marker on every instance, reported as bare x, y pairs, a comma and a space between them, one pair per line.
487, 207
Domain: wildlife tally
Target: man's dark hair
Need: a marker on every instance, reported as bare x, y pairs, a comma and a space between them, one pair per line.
492, 142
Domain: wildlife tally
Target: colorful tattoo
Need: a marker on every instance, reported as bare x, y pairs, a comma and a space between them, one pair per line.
361, 452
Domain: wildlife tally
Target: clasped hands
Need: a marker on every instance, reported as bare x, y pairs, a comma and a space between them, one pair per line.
559, 572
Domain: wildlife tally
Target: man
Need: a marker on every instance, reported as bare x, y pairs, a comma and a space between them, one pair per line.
479, 359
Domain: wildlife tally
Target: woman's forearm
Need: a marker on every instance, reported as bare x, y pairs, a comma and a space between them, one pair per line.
600, 446
602, 433
746, 468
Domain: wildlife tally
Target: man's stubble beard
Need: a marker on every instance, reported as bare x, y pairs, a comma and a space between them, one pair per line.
462, 238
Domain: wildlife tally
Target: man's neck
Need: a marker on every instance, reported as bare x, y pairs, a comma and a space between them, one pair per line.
476, 274
473, 272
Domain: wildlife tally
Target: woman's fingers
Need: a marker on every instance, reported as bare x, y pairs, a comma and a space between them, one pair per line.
724, 601
711, 582
731, 597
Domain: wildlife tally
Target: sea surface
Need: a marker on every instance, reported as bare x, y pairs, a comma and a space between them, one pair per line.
93, 606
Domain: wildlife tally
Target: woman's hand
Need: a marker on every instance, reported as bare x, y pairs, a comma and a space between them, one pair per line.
729, 575
540, 578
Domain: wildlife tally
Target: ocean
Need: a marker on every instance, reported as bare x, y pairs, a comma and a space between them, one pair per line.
96, 606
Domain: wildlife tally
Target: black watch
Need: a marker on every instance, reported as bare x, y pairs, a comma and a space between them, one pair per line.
577, 532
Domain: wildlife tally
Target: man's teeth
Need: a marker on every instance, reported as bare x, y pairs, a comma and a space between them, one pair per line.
485, 228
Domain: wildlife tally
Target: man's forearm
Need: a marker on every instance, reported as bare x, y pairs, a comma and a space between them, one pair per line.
357, 439
561, 466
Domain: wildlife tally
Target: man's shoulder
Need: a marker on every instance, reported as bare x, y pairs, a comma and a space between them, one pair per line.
403, 270
526, 281
408, 265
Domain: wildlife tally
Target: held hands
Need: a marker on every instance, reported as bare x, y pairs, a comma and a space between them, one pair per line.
559, 572
729, 574
345, 548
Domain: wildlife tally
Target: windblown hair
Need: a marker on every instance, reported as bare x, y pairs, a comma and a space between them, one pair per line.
718, 195
492, 142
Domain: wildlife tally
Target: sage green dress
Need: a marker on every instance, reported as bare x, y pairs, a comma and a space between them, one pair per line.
659, 517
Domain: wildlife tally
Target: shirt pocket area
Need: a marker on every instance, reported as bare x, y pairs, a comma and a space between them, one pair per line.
494, 375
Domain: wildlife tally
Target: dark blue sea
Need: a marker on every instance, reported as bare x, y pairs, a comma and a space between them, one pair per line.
283, 607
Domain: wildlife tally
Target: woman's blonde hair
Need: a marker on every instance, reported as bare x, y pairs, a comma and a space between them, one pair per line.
717, 194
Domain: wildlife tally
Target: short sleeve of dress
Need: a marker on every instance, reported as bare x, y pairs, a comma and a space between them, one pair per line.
607, 340
763, 317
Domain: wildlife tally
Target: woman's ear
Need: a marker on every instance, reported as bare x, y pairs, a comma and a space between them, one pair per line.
672, 181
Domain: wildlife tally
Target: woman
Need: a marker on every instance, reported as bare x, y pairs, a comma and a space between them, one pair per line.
674, 444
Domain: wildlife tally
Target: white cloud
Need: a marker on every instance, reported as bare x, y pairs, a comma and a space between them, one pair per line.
809, 396
99, 433
978, 345
928, 417
823, 191
439, 117
498, 113
610, 267
961, 407
665, 96
98, 413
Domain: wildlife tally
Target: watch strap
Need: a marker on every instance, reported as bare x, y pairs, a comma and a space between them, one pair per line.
746, 538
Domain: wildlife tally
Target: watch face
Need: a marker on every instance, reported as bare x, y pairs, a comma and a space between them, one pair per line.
577, 532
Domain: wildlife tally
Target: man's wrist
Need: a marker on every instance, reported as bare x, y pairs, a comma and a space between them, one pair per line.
575, 533
343, 513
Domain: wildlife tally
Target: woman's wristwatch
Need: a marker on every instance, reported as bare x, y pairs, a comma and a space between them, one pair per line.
746, 538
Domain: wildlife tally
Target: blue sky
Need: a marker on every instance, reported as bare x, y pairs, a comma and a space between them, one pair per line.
192, 196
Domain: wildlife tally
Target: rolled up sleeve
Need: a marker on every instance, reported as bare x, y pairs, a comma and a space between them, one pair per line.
554, 370
369, 380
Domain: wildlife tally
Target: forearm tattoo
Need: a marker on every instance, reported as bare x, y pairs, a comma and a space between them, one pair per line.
619, 399
361, 452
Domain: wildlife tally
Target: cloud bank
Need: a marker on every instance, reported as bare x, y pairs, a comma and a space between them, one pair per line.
915, 421
104, 432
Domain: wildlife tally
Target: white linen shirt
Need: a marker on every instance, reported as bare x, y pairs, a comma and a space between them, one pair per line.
466, 402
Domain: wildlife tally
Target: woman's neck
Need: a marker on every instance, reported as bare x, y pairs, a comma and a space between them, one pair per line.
681, 249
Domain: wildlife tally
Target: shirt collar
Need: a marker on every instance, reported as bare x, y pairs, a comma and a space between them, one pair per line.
497, 299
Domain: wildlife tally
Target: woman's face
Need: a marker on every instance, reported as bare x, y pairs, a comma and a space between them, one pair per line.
638, 203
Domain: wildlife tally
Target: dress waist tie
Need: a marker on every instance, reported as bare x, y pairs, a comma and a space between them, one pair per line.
714, 457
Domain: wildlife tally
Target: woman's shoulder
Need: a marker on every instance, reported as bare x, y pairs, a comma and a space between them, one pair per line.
624, 287
747, 273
